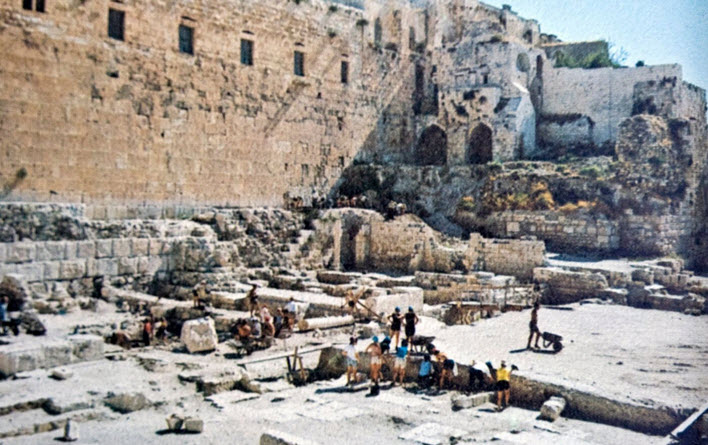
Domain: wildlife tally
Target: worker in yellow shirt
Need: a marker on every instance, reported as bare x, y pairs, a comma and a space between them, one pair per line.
503, 385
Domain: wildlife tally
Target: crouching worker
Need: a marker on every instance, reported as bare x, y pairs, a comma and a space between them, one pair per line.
425, 374
448, 365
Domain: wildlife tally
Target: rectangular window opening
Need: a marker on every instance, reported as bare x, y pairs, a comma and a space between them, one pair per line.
39, 6
246, 52
116, 24
299, 63
27, 4
186, 39
344, 74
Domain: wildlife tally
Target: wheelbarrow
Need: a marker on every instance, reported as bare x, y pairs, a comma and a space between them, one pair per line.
552, 340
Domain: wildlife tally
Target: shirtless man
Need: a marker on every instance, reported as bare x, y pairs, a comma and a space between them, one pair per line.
375, 350
533, 326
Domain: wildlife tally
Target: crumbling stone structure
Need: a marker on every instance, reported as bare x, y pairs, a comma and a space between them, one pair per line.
240, 103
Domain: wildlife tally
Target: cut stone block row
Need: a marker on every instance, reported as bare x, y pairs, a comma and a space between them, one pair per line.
91, 267
26, 252
26, 357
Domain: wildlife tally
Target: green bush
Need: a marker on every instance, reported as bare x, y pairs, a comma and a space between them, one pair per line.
466, 204
591, 172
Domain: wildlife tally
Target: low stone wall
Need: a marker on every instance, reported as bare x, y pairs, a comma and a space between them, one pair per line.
532, 394
566, 287
561, 232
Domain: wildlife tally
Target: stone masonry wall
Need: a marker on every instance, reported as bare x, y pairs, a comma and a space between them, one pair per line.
561, 232
605, 95
94, 119
506, 257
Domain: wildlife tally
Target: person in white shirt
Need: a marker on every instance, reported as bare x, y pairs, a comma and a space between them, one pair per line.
352, 357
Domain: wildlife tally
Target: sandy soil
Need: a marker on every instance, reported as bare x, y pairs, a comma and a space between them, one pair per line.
646, 356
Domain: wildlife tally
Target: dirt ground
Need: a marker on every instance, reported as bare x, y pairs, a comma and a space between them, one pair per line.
646, 356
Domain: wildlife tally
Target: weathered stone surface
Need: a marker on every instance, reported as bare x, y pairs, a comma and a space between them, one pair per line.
552, 408
50, 354
199, 335
193, 425
279, 438
20, 252
461, 401
569, 287
104, 248
61, 374
69, 270
127, 403
31, 323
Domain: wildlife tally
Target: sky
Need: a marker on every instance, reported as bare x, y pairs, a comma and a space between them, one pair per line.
655, 31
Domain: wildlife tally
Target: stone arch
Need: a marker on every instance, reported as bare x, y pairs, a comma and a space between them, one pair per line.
431, 148
479, 148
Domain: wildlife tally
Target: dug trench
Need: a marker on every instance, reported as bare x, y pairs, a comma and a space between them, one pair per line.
531, 394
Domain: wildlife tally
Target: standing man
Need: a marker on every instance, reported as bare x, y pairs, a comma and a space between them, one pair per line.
199, 293
533, 326
352, 357
375, 350
399, 367
395, 319
411, 320
3, 314
503, 384
147, 331
291, 312
252, 300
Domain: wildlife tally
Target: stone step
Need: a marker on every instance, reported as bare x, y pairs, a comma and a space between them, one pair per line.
38, 421
30, 355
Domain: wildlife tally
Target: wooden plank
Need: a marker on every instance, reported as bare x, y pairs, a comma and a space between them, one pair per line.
283, 355
688, 423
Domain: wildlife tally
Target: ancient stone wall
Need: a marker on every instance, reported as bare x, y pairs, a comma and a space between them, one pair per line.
604, 95
96, 119
505, 256
562, 232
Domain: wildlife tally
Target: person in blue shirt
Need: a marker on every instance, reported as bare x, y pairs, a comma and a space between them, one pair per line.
425, 374
3, 314
399, 366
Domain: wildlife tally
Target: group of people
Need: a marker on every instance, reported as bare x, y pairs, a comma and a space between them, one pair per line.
151, 331
428, 373
261, 322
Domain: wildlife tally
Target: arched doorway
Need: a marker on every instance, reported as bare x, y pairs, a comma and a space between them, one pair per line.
479, 150
432, 147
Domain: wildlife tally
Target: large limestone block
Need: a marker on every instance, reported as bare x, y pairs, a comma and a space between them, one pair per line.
127, 403
552, 408
86, 348
402, 297
49, 354
461, 401
199, 335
